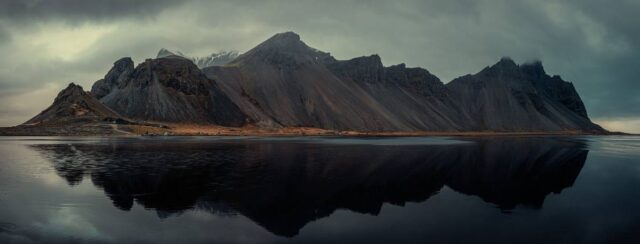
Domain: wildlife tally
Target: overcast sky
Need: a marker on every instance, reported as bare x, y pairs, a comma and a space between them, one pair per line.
596, 45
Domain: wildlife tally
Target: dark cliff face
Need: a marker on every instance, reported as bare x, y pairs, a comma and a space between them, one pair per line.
285, 82
555, 88
289, 82
371, 70
73, 104
362, 69
413, 96
511, 97
116, 77
171, 89
292, 84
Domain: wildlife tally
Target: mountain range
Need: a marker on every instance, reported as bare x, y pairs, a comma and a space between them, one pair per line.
283, 83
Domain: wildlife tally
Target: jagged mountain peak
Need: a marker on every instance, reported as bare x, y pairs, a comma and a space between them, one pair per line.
163, 53
72, 88
288, 35
289, 42
506, 60
169, 89
170, 65
508, 68
533, 63
72, 103
286, 50
284, 39
215, 59
123, 63
398, 66
521, 97
505, 64
373, 60
70, 93
114, 78
166, 53
533, 69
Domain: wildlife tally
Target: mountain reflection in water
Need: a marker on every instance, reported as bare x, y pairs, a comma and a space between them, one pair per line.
283, 185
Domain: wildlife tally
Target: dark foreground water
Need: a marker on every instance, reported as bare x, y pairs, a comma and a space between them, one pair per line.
324, 190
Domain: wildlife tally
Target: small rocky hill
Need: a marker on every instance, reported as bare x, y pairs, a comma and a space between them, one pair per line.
74, 104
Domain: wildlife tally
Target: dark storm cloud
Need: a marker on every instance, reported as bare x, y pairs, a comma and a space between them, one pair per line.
28, 11
4, 35
610, 81
617, 17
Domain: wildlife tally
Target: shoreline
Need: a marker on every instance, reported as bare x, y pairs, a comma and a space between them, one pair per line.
168, 130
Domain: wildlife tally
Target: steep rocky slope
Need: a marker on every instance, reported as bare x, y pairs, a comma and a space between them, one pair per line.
511, 97
289, 83
169, 89
413, 96
284, 82
118, 75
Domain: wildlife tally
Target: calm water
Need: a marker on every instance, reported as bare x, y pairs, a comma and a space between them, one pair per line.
324, 190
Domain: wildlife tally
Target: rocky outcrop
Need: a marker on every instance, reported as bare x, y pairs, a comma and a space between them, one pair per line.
362, 69
114, 78
555, 88
511, 97
172, 89
73, 104
214, 59
163, 53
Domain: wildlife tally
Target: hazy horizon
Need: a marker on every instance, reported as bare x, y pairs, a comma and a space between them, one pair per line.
50, 44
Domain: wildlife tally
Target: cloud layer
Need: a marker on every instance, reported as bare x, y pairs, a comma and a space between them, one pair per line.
47, 44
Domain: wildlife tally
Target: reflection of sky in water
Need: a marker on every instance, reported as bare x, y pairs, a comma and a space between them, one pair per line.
616, 146
602, 205
386, 141
373, 141
42, 206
